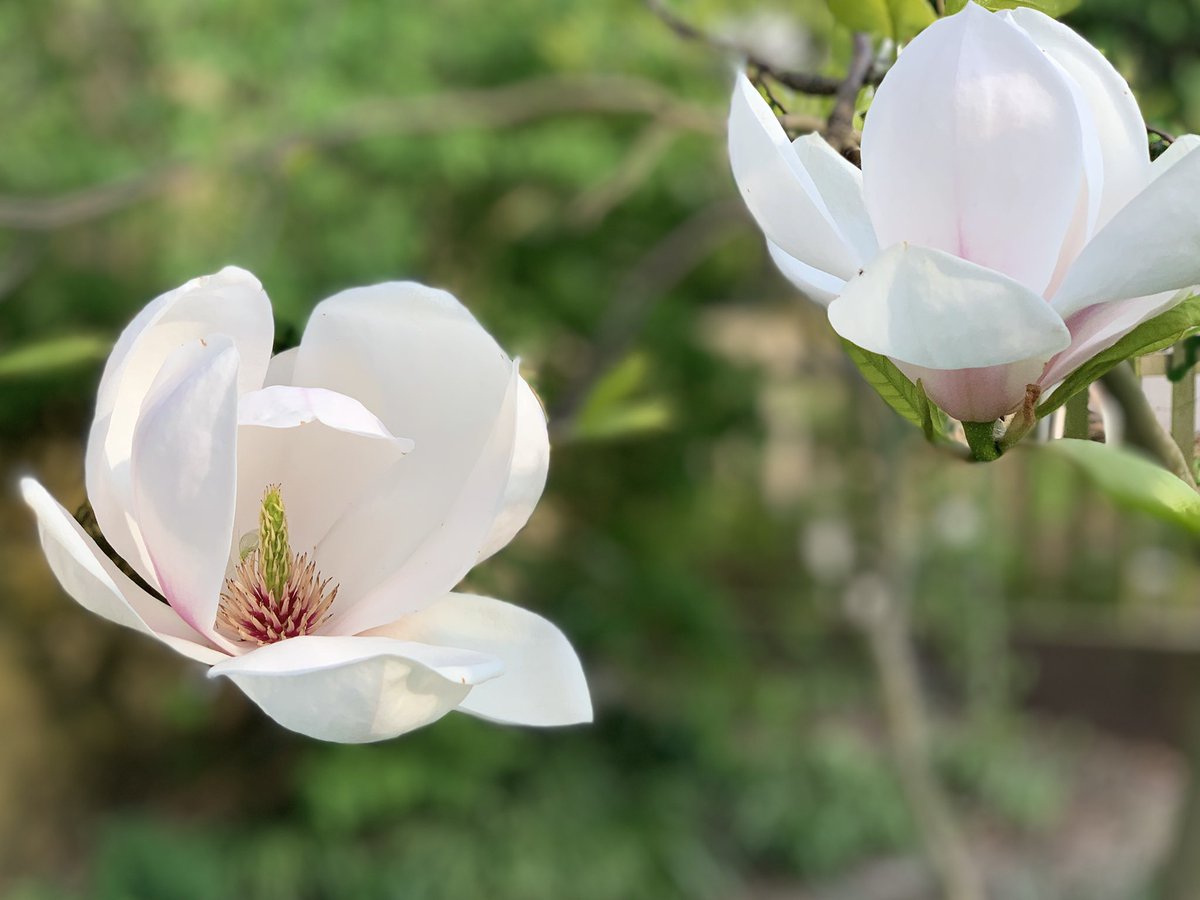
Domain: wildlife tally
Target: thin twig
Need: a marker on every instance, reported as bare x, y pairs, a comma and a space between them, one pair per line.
1142, 428
801, 82
667, 263
484, 108
840, 126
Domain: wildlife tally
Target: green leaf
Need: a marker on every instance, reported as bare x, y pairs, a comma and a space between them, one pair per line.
618, 406
893, 386
1162, 331
1055, 8
1133, 481
900, 20
53, 355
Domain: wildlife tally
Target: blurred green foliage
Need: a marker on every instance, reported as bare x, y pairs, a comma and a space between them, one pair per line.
698, 563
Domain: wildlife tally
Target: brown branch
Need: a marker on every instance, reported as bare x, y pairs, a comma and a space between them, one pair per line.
839, 129
484, 108
801, 82
1142, 428
667, 263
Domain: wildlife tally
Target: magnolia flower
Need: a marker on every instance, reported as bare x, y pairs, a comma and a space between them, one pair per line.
306, 516
1007, 224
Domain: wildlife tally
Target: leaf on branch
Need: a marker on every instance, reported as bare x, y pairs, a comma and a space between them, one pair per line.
1055, 8
54, 354
618, 406
1162, 331
1132, 481
900, 20
898, 392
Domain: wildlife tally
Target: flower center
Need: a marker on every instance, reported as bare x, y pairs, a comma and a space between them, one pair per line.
273, 594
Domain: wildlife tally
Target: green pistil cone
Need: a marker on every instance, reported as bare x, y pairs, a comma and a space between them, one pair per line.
275, 554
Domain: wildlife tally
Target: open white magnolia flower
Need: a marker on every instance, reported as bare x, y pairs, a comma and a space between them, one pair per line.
307, 516
1007, 224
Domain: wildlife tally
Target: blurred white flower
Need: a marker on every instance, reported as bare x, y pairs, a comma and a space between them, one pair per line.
307, 515
1007, 223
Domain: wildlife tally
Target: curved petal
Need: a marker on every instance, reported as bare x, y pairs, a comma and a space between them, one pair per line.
97, 585
840, 185
780, 193
1180, 147
1152, 245
356, 689
977, 395
932, 309
326, 451
421, 362
543, 682
361, 554
282, 406
818, 286
1113, 109
183, 474
1098, 327
282, 367
974, 146
231, 303
527, 477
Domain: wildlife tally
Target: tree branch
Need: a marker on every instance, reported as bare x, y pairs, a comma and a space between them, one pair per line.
500, 107
839, 129
1142, 428
801, 82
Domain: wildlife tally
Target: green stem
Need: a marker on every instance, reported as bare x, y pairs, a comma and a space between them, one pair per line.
981, 438
1076, 425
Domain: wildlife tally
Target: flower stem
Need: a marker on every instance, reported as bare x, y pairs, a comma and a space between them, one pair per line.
981, 438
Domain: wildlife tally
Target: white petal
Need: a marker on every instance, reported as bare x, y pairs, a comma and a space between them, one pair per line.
973, 145
231, 303
324, 450
1180, 147
282, 406
361, 553
183, 469
421, 362
820, 287
1112, 107
932, 309
527, 478
282, 367
356, 689
841, 187
778, 190
1152, 245
100, 587
543, 682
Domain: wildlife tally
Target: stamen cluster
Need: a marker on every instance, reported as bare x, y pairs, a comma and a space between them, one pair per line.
250, 611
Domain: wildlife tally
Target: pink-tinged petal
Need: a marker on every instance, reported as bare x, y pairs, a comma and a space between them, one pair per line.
421, 362
973, 145
356, 689
818, 286
932, 309
543, 682
94, 582
977, 395
1118, 121
1180, 147
1097, 328
183, 472
527, 477
231, 303
326, 451
1152, 245
281, 406
780, 193
381, 584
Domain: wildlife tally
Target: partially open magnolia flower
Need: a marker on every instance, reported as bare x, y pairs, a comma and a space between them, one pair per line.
306, 516
1007, 224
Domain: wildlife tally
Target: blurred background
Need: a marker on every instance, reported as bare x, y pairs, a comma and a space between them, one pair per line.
721, 495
